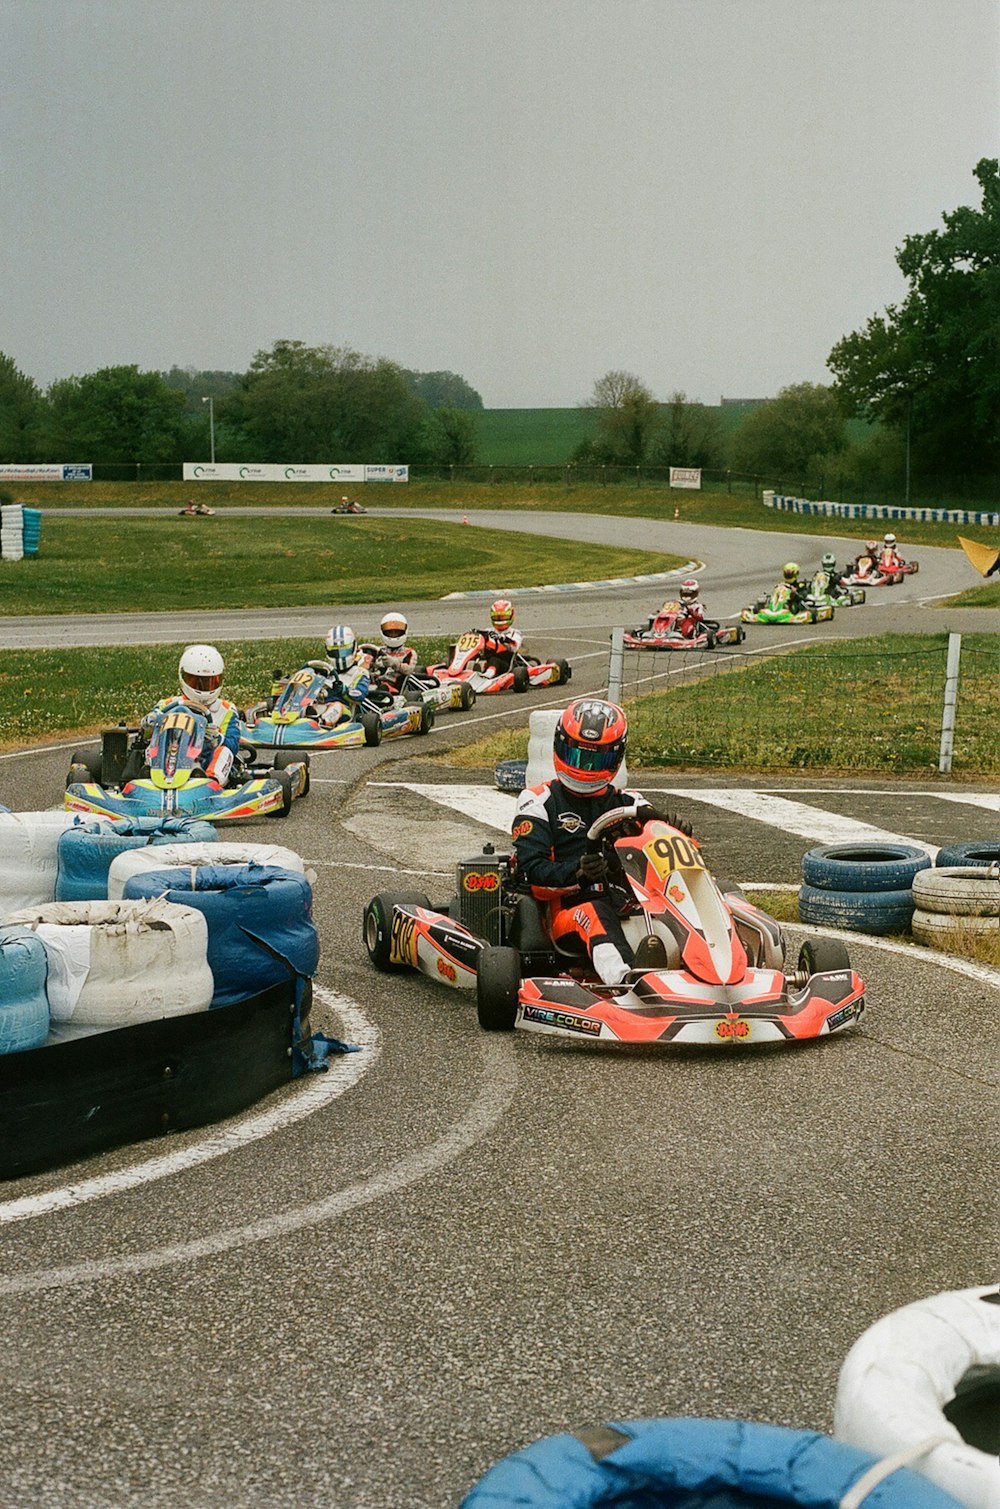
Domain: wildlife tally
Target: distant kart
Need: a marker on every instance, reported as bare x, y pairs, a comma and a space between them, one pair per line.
196, 510
172, 781
774, 609
444, 696
842, 596
290, 717
710, 967
348, 506
467, 662
672, 629
885, 570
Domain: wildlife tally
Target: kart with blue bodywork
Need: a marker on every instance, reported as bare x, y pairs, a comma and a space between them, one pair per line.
300, 713
161, 771
710, 967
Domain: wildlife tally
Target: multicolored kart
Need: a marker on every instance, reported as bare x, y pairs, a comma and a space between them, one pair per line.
444, 696
170, 778
842, 596
884, 570
710, 967
673, 629
468, 661
296, 715
776, 609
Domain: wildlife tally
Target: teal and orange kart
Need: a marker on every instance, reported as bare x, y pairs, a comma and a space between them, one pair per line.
167, 777
776, 609
297, 715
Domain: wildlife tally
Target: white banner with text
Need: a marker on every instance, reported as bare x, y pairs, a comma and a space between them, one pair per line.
685, 476
244, 471
47, 471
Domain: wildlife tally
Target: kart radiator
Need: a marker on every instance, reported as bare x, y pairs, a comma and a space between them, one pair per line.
479, 883
114, 752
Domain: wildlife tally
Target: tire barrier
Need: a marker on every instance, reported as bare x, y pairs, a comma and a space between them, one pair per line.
24, 1006
692, 1464
979, 854
84, 853
509, 775
28, 863
866, 888
958, 891
135, 861
258, 917
930, 1372
115, 963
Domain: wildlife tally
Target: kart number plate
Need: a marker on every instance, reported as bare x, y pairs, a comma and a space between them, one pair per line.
178, 720
466, 641
403, 939
669, 854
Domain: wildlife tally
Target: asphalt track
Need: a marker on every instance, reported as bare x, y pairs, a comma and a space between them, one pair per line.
468, 1242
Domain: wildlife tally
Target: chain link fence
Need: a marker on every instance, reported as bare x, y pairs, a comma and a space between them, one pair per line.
889, 709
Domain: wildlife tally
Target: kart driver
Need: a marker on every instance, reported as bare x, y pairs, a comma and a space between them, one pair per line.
347, 683
394, 658
200, 674
791, 587
890, 555
834, 578
550, 835
865, 561
501, 641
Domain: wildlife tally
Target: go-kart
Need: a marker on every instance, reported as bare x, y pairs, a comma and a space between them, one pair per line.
775, 609
348, 505
884, 570
445, 696
468, 661
296, 714
710, 967
196, 510
129, 777
673, 629
841, 596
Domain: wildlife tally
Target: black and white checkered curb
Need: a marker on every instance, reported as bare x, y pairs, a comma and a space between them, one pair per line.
609, 581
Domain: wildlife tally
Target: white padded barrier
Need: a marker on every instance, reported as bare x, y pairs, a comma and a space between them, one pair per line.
29, 843
165, 856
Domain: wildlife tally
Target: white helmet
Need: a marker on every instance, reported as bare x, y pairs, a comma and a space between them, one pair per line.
394, 629
689, 591
201, 671
341, 647
889, 539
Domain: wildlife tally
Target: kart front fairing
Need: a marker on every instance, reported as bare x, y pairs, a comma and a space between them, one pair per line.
775, 609
723, 980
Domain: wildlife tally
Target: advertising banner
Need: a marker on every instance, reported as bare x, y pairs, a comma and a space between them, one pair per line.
245, 471
685, 476
387, 474
46, 471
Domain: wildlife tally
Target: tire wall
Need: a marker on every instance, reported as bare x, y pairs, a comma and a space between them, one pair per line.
258, 918
28, 857
85, 853
112, 964
24, 1006
135, 861
862, 887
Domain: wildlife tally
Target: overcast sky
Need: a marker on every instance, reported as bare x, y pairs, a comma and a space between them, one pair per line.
707, 193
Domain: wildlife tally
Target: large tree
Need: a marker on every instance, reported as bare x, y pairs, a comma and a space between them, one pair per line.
691, 434
783, 436
22, 412
325, 403
117, 414
627, 420
443, 390
932, 363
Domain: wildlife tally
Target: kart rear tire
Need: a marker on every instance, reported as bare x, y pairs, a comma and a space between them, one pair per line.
819, 954
286, 757
522, 680
466, 697
426, 718
981, 853
376, 926
498, 981
565, 671
372, 725
92, 761
863, 866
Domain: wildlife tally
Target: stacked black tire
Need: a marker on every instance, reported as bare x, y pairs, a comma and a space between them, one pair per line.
866, 888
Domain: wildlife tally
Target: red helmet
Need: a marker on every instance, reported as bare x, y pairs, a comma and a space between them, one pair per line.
502, 613
589, 745
689, 591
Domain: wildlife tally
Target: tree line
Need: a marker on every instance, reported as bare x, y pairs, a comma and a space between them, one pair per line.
925, 375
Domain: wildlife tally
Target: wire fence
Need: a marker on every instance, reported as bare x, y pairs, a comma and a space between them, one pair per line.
879, 710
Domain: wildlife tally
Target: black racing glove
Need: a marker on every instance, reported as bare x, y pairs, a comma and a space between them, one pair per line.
645, 812
592, 869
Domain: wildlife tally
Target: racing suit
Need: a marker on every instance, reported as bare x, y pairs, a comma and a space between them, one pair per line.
390, 666
550, 840
222, 735
344, 693
499, 649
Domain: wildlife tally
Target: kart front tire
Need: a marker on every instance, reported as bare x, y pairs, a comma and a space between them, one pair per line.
565, 671
498, 981
522, 680
376, 927
466, 696
372, 725
284, 780
426, 719
819, 954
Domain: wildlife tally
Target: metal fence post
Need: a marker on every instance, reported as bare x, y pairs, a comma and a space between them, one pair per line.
616, 665
950, 700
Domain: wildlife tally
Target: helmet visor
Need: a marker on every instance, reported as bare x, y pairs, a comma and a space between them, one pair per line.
603, 758
203, 683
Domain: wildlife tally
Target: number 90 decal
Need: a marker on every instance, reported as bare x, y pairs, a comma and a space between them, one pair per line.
667, 854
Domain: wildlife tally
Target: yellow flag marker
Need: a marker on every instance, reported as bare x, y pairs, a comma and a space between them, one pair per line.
984, 557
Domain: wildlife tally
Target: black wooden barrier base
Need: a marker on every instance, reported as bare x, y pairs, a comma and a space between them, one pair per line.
68, 1100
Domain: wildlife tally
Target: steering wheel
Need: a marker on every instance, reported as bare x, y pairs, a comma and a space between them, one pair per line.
603, 829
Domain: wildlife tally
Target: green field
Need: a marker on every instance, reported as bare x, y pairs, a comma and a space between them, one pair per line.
530, 437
